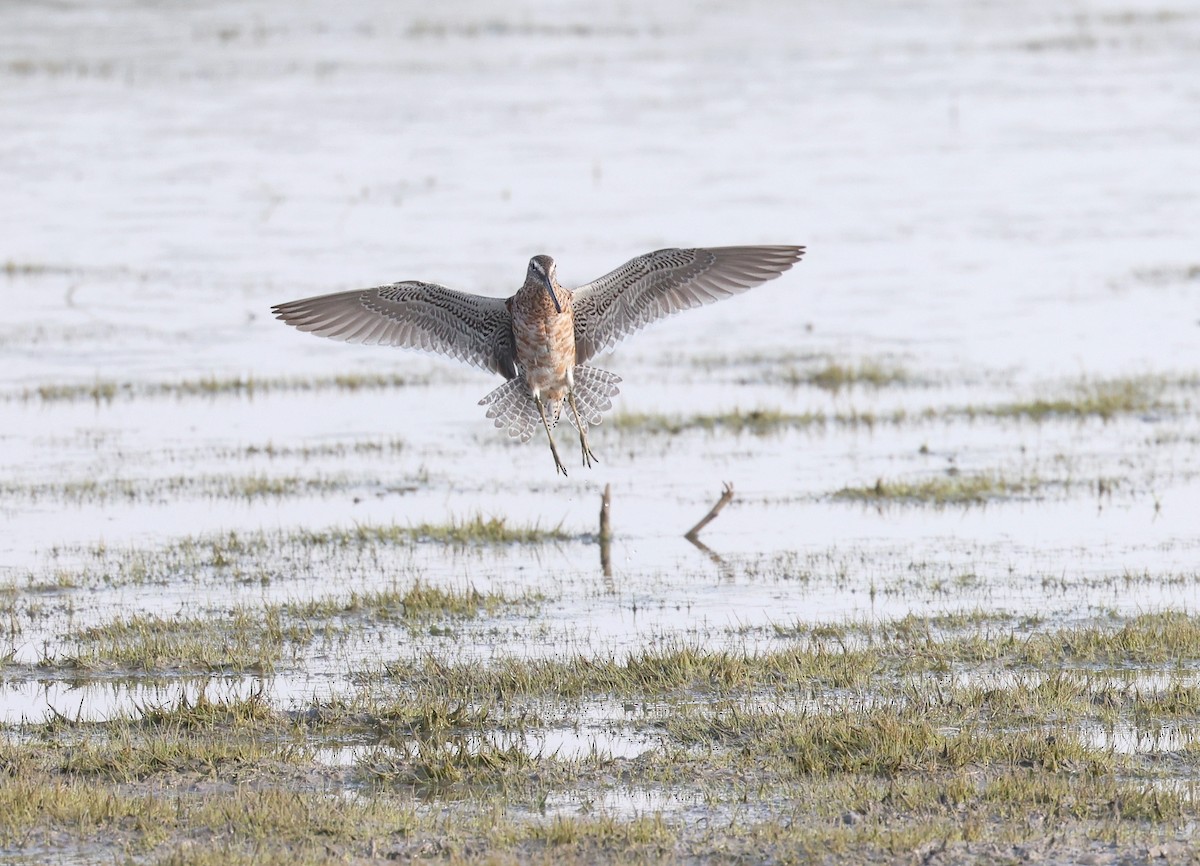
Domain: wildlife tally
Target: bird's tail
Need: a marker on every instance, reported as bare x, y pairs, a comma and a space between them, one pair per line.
513, 409
593, 390
515, 412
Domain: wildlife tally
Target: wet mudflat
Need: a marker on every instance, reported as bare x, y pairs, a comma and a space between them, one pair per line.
266, 598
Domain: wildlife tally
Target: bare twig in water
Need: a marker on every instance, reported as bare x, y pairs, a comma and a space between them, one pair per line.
605, 532
726, 497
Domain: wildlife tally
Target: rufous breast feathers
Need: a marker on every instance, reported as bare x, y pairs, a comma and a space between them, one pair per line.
545, 341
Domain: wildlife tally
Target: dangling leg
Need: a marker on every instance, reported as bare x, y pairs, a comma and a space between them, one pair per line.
588, 456
558, 464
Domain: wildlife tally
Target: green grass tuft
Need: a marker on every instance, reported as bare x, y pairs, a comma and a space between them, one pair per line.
956, 489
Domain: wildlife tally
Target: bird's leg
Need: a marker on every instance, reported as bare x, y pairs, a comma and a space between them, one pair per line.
588, 456
558, 464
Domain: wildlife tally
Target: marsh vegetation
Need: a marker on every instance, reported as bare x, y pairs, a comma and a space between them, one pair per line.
477, 687
273, 600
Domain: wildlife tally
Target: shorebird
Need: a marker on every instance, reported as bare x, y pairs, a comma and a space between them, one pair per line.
541, 338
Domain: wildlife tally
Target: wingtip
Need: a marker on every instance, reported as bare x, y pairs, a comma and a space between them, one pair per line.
791, 254
284, 312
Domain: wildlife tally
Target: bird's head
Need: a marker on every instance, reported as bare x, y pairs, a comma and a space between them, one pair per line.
541, 273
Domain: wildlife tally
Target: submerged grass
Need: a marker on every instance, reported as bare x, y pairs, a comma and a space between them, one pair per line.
420, 601
486, 530
475, 529
248, 487
12, 268
257, 640
347, 553
107, 390
759, 422
1103, 399
310, 450
851, 656
954, 489
835, 376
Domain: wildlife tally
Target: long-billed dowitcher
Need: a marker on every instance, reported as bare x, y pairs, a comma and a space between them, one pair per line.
541, 338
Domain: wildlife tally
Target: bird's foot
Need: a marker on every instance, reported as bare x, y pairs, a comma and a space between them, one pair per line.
558, 464
588, 457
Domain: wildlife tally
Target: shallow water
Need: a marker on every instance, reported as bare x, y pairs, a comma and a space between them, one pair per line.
1001, 200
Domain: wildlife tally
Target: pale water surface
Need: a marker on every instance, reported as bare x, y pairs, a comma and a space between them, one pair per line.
1002, 200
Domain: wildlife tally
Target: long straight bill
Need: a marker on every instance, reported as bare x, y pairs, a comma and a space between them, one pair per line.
553, 297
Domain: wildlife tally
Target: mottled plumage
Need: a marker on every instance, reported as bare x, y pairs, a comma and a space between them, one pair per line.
540, 338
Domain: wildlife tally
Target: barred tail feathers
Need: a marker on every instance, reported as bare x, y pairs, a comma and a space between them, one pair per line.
593, 390
512, 409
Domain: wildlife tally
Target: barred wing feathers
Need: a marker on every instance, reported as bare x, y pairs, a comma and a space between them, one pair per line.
412, 315
655, 285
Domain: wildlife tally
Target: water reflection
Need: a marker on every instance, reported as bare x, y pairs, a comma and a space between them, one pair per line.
34, 701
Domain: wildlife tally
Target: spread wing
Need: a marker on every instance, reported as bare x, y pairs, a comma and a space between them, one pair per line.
412, 315
655, 285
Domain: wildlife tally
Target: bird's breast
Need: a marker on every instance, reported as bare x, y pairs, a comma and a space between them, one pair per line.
545, 344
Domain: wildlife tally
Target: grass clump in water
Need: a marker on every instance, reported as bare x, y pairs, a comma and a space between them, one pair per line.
125, 756
252, 712
1104, 399
420, 601
1152, 638
757, 421
645, 673
956, 489
245, 640
213, 386
836, 377
462, 532
605, 831
250, 487
30, 269
886, 740
486, 530
424, 601
98, 392
458, 761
